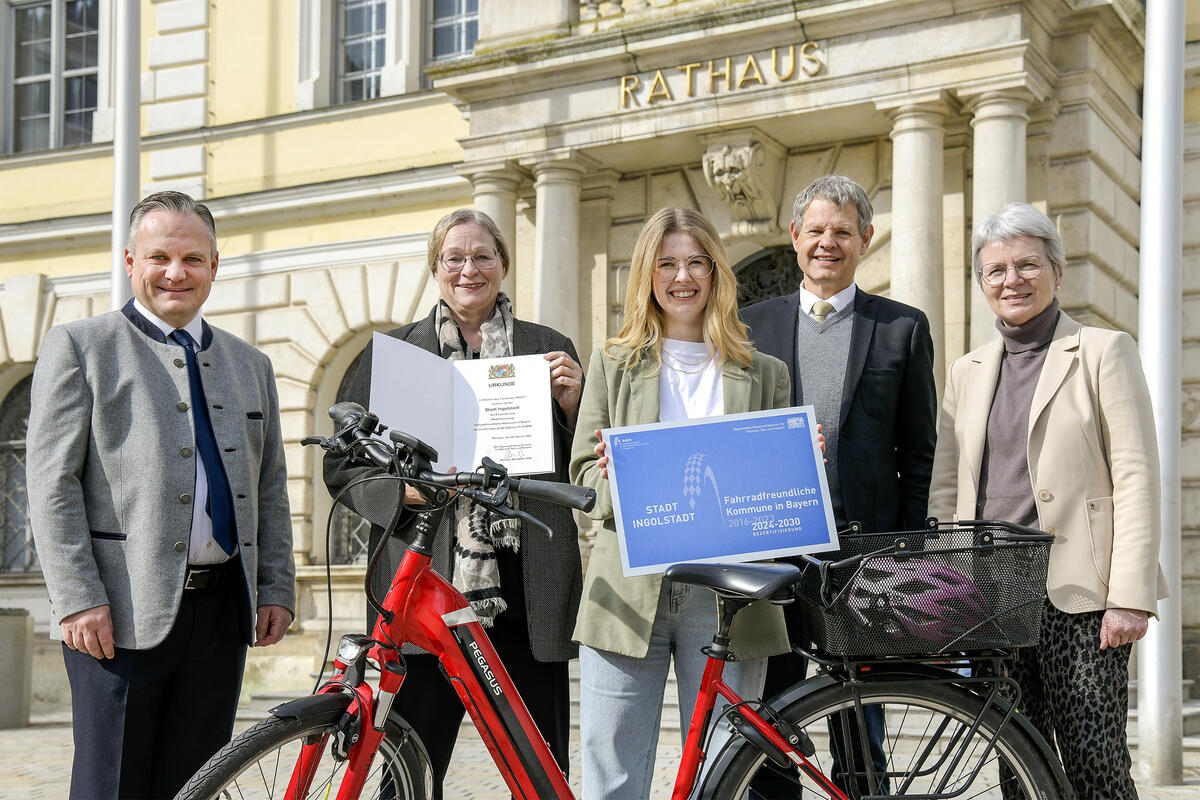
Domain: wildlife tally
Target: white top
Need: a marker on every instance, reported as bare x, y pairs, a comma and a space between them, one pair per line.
203, 548
839, 301
689, 383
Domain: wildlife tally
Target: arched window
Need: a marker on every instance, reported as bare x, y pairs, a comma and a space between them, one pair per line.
768, 273
349, 532
16, 539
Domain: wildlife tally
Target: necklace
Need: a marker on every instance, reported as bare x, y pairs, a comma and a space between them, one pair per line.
683, 363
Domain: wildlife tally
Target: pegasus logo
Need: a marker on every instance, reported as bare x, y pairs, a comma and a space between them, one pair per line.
484, 668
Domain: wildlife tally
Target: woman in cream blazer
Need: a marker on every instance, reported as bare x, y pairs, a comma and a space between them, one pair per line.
1050, 425
681, 354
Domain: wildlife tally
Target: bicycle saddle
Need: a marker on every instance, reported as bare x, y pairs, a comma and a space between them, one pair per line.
752, 581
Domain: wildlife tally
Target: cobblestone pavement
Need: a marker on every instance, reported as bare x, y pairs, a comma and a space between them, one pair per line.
35, 762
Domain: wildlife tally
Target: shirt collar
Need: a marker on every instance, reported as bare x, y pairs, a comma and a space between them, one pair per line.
839, 301
195, 328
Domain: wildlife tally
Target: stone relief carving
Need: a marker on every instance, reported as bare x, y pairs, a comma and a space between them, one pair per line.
745, 176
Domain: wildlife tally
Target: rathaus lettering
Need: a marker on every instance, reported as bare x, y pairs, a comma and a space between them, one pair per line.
729, 74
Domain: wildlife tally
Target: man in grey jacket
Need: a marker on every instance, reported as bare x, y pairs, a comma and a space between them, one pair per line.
158, 501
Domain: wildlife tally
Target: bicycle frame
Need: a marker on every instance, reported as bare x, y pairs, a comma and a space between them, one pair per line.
430, 613
711, 685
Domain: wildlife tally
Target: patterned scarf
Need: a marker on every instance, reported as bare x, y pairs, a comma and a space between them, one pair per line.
478, 532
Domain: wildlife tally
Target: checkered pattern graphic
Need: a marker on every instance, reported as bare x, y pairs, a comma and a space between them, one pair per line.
692, 472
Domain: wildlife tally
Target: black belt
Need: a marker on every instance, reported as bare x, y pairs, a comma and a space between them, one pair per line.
211, 576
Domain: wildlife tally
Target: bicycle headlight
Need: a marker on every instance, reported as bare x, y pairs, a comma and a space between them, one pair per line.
353, 647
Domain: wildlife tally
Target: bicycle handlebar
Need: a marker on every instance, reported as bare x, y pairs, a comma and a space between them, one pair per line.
354, 421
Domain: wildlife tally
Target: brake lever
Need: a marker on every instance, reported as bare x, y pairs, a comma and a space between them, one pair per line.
489, 501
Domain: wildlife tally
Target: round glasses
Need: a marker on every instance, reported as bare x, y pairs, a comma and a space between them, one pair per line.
697, 266
995, 274
482, 259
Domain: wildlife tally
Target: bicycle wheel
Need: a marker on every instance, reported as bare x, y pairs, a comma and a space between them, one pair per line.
932, 748
258, 764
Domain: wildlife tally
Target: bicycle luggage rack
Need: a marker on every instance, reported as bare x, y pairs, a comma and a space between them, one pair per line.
952, 588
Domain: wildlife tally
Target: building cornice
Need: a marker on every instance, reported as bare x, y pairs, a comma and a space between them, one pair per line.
351, 195
267, 262
282, 122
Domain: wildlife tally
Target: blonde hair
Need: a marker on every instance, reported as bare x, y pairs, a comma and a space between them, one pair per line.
642, 332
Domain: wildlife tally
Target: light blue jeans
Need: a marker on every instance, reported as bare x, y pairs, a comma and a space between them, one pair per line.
621, 697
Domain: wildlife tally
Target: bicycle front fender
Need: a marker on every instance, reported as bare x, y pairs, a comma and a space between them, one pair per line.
313, 705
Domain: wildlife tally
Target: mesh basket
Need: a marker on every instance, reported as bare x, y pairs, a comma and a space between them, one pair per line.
951, 589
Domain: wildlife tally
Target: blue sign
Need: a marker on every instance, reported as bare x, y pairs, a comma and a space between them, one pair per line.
741, 487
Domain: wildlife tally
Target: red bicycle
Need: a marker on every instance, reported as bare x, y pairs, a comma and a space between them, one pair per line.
948, 735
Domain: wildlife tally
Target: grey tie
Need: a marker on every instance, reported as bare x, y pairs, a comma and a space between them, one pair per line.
821, 309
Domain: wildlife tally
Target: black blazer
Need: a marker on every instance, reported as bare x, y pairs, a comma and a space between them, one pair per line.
551, 567
888, 419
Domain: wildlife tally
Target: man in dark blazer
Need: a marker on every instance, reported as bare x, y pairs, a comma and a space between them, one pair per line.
158, 502
866, 363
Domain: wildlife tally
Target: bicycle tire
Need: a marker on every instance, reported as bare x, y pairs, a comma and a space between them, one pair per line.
258, 763
913, 714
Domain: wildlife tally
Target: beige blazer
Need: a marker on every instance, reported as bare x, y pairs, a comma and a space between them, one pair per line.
617, 613
1093, 464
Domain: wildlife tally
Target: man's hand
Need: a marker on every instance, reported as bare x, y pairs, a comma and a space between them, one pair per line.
566, 382
1122, 626
90, 631
272, 622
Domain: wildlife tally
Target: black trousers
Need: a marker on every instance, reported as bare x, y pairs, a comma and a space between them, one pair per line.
431, 706
146, 720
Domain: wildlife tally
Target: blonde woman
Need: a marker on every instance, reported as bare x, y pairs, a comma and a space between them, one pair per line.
681, 354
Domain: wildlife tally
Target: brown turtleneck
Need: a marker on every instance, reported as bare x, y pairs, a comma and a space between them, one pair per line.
1005, 490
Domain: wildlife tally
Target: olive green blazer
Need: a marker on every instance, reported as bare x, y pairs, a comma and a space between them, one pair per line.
617, 613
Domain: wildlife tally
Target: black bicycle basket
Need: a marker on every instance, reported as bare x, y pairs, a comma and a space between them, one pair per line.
948, 589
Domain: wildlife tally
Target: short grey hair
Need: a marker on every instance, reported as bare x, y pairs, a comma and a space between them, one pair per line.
839, 190
438, 237
1012, 222
177, 203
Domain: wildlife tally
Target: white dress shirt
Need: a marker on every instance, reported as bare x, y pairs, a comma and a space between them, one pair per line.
839, 301
203, 549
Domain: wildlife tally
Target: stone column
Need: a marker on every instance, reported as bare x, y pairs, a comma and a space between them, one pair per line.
917, 135
558, 184
494, 188
999, 120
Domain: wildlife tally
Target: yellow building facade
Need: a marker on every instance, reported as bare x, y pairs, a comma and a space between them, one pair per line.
328, 136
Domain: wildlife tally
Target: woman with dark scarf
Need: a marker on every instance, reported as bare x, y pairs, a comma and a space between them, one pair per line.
1050, 425
523, 585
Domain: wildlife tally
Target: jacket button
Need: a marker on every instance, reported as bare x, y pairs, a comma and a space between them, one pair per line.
186, 452
185, 498
180, 547
179, 362
182, 406
1045, 496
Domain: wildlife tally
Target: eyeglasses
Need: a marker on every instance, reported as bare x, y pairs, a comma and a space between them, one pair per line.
996, 274
482, 259
697, 266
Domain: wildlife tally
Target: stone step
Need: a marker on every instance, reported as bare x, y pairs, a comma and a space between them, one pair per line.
1191, 719
1188, 686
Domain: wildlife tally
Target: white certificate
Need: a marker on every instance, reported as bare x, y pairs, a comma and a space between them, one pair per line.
468, 409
